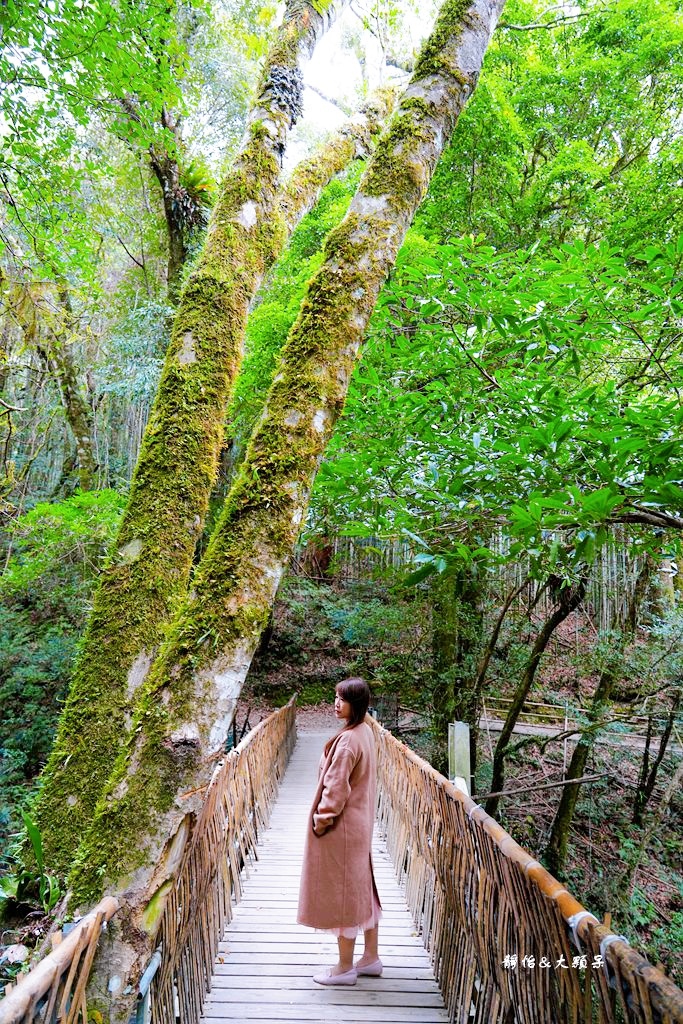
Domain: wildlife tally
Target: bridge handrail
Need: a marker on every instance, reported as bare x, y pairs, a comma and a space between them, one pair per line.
560, 712
236, 810
478, 897
55, 988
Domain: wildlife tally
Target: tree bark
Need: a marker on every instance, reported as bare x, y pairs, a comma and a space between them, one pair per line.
167, 172
49, 331
141, 823
648, 772
355, 140
58, 360
556, 850
569, 600
152, 558
456, 631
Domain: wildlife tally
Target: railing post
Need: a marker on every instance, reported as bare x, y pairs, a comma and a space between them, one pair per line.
143, 1014
459, 771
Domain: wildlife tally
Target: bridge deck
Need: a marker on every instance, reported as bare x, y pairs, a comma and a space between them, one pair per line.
266, 961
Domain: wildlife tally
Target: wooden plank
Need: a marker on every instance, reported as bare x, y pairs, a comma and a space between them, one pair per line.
236, 943
317, 960
265, 962
293, 976
326, 1013
355, 995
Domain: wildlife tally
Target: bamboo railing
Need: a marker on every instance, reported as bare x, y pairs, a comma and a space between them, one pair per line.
54, 990
488, 914
236, 810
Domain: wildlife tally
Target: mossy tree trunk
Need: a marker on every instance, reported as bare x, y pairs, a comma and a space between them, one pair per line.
166, 170
59, 362
146, 814
354, 140
568, 600
50, 328
150, 566
457, 620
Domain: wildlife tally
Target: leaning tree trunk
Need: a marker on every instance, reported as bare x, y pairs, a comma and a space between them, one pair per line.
569, 601
148, 572
144, 818
556, 849
492, 642
49, 334
626, 882
477, 687
59, 362
649, 771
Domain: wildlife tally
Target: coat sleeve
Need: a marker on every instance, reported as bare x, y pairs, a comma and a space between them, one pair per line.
336, 789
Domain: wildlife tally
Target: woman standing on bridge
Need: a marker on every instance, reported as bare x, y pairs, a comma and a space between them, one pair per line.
338, 892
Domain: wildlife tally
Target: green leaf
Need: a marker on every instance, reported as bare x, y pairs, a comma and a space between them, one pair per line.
36, 839
413, 578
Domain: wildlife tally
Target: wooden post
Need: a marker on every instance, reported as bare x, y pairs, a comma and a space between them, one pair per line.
666, 581
459, 755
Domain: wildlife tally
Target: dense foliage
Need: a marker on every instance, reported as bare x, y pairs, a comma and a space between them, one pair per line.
500, 510
52, 557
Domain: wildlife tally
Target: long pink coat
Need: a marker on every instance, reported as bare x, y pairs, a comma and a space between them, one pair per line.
337, 882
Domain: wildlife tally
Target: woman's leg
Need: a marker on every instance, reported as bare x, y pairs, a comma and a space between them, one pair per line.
343, 972
346, 947
370, 953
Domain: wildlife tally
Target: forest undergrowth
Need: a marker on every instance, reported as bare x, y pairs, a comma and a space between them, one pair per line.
322, 632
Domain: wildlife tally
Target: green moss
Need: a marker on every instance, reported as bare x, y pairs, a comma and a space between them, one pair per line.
155, 908
232, 593
394, 172
168, 502
397, 171
315, 172
449, 25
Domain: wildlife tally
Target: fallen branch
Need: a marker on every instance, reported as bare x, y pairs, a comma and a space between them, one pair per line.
547, 785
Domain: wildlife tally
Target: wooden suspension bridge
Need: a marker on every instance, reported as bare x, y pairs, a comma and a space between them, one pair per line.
474, 929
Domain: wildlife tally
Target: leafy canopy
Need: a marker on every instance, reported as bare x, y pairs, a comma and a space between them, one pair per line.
537, 392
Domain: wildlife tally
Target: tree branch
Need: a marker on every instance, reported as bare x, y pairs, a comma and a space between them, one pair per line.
11, 408
566, 19
129, 253
547, 785
329, 99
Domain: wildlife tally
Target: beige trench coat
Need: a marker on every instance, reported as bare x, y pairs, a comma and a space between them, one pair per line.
337, 881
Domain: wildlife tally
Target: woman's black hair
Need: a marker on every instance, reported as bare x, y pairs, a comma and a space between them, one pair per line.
357, 692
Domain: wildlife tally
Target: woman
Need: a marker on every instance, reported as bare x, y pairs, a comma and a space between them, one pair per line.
338, 892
